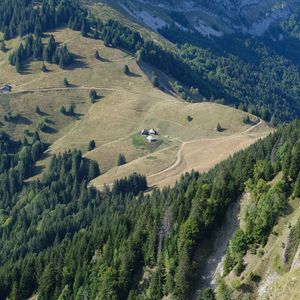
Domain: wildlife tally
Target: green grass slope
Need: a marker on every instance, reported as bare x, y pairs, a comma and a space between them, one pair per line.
125, 105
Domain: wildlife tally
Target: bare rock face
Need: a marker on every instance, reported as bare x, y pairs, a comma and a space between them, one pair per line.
296, 260
212, 17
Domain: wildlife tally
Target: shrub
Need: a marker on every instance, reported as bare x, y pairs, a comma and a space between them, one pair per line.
92, 145
121, 159
97, 55
44, 68
219, 127
93, 95
63, 110
236, 284
126, 70
189, 118
37, 110
66, 82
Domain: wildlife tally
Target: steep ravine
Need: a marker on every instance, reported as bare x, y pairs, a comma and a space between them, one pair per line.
212, 251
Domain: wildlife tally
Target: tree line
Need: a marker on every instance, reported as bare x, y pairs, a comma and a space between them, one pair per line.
62, 239
34, 48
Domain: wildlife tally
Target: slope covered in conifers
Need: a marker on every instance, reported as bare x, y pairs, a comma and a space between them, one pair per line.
61, 239
259, 74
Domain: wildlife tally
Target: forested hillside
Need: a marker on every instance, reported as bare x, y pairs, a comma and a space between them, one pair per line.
250, 73
259, 75
62, 239
258, 72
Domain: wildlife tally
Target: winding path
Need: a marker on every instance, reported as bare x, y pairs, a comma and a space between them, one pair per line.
179, 157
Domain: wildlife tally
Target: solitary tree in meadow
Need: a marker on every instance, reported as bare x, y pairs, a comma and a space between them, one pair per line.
97, 55
93, 95
121, 159
126, 70
219, 127
66, 82
92, 145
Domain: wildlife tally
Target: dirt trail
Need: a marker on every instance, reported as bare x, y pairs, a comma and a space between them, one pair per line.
202, 154
67, 88
82, 87
199, 155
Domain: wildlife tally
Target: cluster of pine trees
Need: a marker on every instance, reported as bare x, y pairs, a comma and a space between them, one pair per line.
18, 18
134, 184
16, 164
34, 48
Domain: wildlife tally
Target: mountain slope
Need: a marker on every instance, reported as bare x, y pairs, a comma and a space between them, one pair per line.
61, 238
259, 74
213, 18
127, 103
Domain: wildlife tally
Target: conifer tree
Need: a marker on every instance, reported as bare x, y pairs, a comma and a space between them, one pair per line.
121, 160
297, 187
154, 80
93, 95
126, 70
97, 55
295, 162
2, 46
219, 127
44, 68
71, 110
92, 145
37, 110
66, 82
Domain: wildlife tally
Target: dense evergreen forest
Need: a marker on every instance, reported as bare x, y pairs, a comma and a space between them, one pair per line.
259, 75
63, 240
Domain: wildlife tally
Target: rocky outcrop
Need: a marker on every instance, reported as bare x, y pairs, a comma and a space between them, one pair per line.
248, 16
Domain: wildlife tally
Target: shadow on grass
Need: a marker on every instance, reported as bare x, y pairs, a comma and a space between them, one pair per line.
48, 121
163, 85
43, 114
37, 170
77, 63
21, 120
246, 288
49, 130
131, 74
72, 85
48, 71
26, 68
98, 99
74, 115
102, 59
221, 130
